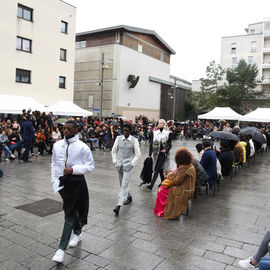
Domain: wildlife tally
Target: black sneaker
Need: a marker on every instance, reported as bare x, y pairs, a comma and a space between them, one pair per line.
128, 200
116, 210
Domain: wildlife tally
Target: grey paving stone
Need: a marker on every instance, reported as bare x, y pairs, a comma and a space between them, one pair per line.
12, 265
97, 260
224, 231
229, 242
236, 252
146, 245
132, 257
38, 262
82, 265
16, 252
218, 257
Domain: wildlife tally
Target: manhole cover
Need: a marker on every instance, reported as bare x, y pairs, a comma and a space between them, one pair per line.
42, 208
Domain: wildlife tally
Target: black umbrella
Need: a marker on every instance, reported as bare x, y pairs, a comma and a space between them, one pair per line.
223, 135
254, 132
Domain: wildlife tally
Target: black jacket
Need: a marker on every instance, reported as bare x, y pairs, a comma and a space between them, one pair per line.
226, 159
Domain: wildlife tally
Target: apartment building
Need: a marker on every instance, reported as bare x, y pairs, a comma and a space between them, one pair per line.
134, 72
254, 47
37, 49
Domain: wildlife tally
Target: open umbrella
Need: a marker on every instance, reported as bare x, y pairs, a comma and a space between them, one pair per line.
254, 132
223, 135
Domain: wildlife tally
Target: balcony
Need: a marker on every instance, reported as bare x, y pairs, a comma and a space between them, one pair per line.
266, 81
266, 50
266, 65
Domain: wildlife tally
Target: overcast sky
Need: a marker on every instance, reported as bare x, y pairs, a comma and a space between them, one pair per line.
193, 28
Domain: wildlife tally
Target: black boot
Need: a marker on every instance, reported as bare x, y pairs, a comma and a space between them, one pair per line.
128, 200
116, 210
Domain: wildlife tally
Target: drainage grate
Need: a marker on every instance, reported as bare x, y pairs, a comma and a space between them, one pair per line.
42, 208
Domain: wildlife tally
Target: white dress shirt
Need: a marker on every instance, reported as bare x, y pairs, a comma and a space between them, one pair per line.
70, 153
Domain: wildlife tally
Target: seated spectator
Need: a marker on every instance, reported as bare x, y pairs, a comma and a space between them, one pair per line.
226, 158
254, 261
93, 138
4, 142
238, 153
56, 135
209, 162
14, 139
41, 140
181, 184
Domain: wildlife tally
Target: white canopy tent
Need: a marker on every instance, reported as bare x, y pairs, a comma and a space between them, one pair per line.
67, 108
259, 115
225, 113
15, 104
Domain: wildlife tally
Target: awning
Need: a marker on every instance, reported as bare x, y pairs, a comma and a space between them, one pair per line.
67, 108
217, 113
15, 104
259, 115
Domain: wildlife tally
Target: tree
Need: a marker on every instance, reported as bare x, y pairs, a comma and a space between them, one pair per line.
208, 98
241, 89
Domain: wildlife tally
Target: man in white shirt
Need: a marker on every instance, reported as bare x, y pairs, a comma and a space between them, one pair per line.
71, 160
125, 154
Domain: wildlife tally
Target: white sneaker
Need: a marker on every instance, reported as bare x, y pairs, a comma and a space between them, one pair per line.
7, 159
59, 256
75, 240
245, 264
13, 156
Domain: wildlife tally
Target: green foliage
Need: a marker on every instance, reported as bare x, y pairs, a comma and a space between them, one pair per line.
238, 91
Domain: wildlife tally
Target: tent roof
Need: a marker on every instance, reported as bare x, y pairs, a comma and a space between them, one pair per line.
67, 108
15, 104
225, 113
259, 115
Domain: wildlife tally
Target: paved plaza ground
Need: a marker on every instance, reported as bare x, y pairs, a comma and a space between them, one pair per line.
217, 233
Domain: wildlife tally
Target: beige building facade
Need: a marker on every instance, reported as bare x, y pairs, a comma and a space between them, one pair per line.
128, 51
254, 47
37, 49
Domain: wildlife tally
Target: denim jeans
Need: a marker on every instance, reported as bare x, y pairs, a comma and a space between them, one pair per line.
95, 141
68, 226
7, 151
264, 263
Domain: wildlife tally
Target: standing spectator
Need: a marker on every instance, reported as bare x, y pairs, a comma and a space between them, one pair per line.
28, 136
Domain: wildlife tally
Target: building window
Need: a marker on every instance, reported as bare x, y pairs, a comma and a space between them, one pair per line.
63, 54
233, 48
25, 12
250, 60
24, 44
81, 44
253, 46
23, 76
252, 31
90, 101
140, 48
64, 26
234, 61
62, 82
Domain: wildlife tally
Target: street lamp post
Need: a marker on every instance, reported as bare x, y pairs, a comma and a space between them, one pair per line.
101, 86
